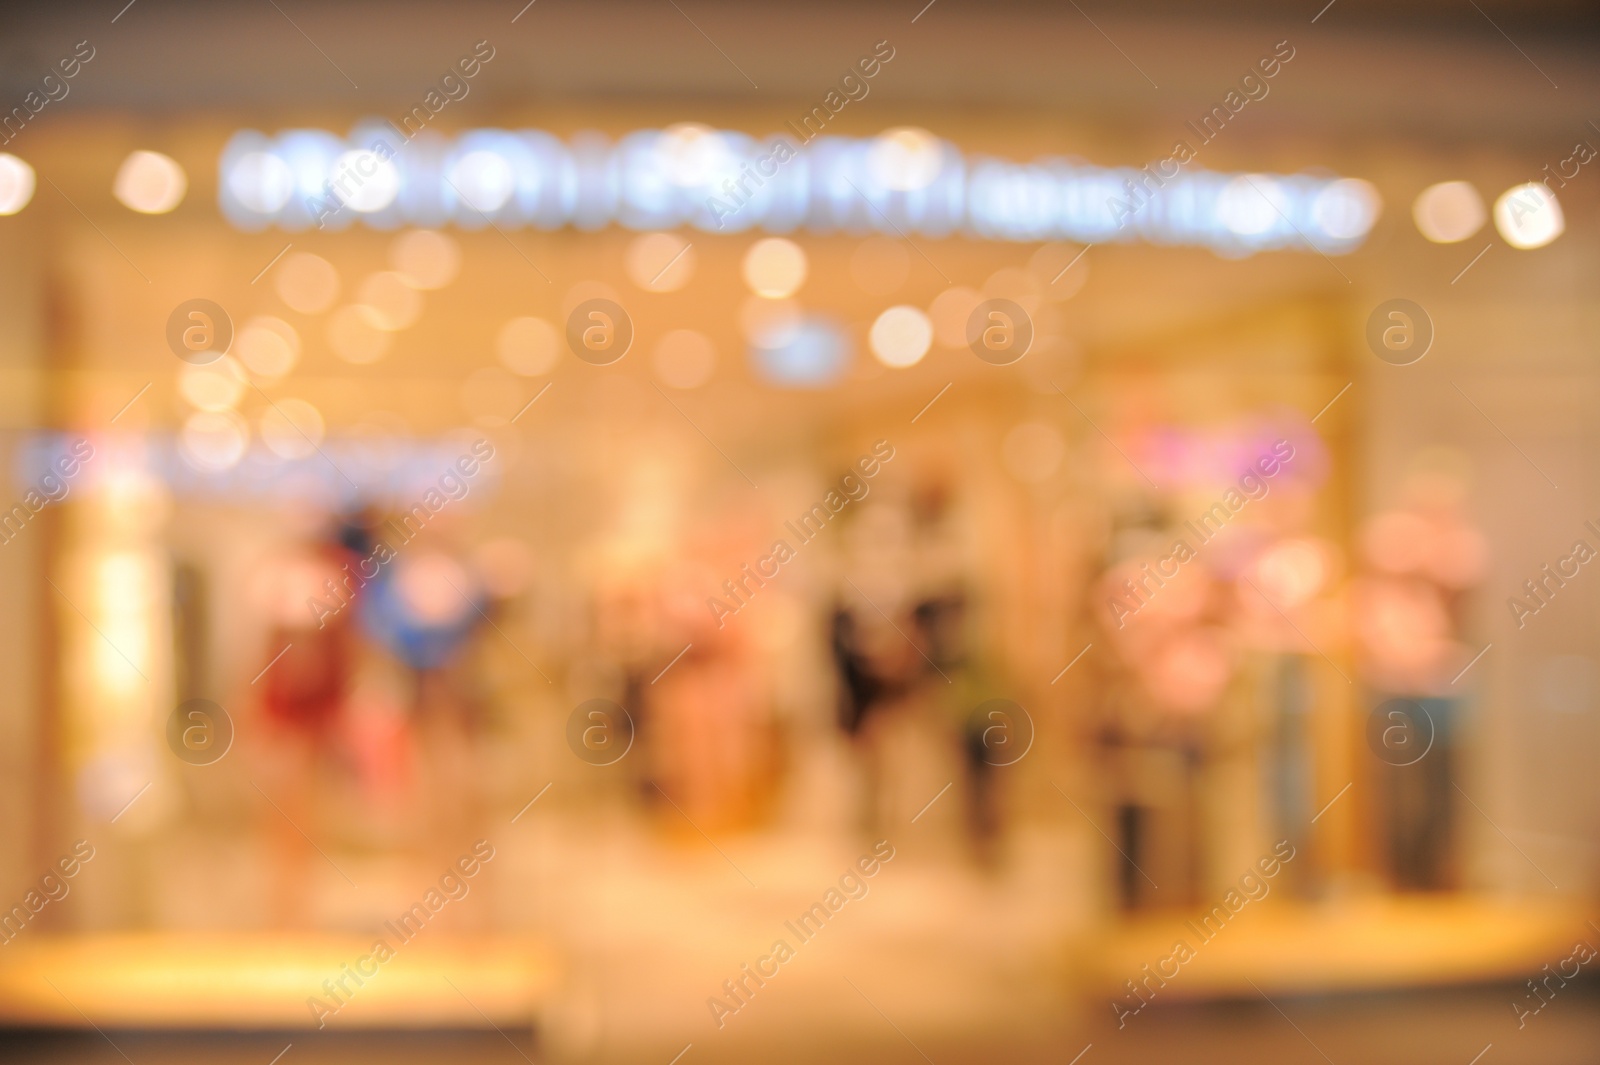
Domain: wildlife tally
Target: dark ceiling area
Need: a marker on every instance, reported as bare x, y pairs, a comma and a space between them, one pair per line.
1363, 64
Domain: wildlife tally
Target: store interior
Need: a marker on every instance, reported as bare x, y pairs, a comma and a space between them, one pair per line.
485, 585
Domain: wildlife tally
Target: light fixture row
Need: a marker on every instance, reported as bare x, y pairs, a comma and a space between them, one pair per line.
147, 182
1526, 216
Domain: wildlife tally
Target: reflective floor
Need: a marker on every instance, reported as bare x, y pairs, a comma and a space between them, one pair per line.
1398, 1030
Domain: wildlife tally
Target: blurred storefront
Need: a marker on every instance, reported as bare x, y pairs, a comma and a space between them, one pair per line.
675, 514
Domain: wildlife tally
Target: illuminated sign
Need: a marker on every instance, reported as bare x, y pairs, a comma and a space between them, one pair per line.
392, 470
905, 182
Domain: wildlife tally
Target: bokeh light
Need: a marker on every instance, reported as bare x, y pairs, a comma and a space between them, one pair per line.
814, 355
269, 347
1449, 211
214, 386
900, 336
1292, 571
484, 180
1346, 209
364, 180
291, 428
1529, 216
660, 262
16, 184
150, 183
214, 440
694, 154
528, 346
906, 158
684, 358
1252, 204
261, 181
425, 258
307, 283
775, 268
388, 301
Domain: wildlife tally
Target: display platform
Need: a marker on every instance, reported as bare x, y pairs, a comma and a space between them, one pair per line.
270, 980
1391, 943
